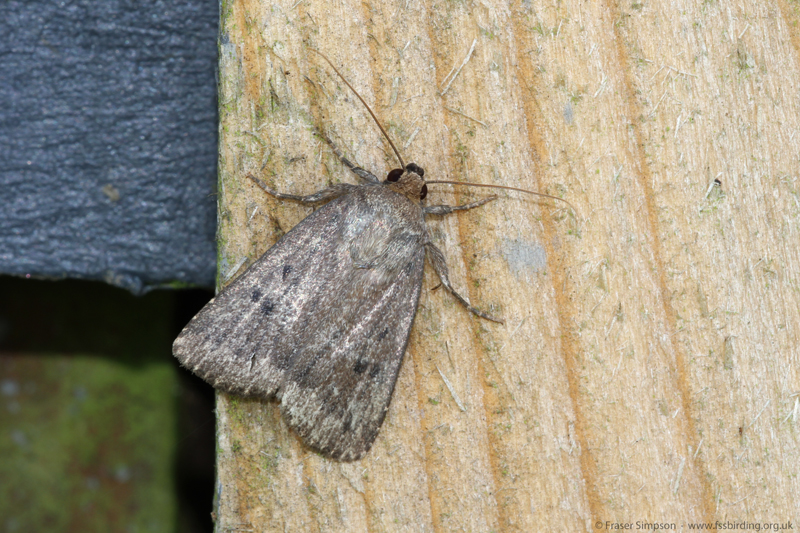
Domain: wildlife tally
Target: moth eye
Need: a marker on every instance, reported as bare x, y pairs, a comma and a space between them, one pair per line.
412, 167
423, 192
394, 175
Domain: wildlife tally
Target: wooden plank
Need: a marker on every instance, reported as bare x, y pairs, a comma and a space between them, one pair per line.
640, 335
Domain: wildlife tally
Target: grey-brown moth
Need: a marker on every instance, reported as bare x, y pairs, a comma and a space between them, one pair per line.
322, 320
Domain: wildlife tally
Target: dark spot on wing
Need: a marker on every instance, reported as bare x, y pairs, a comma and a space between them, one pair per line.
256, 296
287, 269
347, 421
267, 307
382, 334
361, 366
375, 370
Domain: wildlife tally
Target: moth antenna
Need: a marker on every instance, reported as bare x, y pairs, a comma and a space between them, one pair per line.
543, 195
402, 165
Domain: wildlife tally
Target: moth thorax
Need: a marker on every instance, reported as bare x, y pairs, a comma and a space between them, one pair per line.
409, 182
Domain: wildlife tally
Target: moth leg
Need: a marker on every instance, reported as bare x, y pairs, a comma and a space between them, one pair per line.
320, 196
447, 209
358, 171
440, 265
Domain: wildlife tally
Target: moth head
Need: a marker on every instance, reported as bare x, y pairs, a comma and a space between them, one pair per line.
408, 182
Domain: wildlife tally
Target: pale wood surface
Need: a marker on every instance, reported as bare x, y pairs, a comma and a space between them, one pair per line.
648, 368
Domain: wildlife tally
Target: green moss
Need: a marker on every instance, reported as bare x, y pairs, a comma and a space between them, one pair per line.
88, 444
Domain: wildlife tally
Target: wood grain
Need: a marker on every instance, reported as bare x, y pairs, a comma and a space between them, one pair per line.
642, 332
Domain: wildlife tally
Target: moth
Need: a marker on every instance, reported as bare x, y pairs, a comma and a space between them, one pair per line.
322, 320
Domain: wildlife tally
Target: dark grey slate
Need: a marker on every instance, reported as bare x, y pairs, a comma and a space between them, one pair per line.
108, 141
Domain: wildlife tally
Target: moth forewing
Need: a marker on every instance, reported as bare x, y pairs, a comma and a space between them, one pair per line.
321, 321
